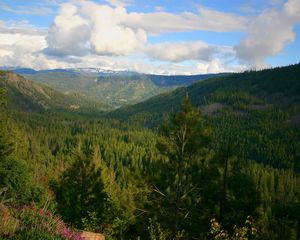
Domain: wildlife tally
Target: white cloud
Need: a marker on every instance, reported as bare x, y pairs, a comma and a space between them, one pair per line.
205, 19
22, 45
26, 10
17, 49
139, 65
69, 33
100, 31
87, 34
108, 36
181, 51
22, 27
268, 34
215, 66
107, 30
292, 9
119, 3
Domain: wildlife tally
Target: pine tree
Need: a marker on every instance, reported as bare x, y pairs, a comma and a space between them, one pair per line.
80, 191
181, 140
6, 142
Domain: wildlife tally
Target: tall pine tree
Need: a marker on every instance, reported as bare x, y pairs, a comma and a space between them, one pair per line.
183, 141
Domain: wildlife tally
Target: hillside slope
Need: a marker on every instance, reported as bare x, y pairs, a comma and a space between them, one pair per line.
26, 95
256, 90
255, 114
113, 88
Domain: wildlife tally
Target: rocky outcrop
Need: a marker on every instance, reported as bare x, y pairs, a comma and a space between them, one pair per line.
92, 236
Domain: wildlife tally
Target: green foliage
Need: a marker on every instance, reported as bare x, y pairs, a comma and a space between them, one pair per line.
247, 232
79, 192
114, 90
156, 232
116, 229
278, 87
42, 223
241, 196
8, 224
245, 163
26, 95
35, 235
6, 142
120, 212
183, 140
35, 220
15, 178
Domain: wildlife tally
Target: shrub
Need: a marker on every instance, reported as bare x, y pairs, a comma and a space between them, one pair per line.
156, 232
42, 223
35, 235
247, 232
8, 224
15, 178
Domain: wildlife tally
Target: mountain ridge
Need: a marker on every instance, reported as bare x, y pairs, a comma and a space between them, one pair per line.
279, 87
24, 94
115, 88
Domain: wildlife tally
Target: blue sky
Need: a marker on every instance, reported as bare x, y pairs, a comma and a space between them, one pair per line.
156, 36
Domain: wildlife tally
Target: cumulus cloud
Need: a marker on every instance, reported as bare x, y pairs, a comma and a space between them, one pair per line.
292, 9
17, 49
108, 35
269, 33
69, 33
107, 30
100, 31
22, 45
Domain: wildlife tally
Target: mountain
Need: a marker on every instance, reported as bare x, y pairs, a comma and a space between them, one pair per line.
241, 92
24, 94
115, 88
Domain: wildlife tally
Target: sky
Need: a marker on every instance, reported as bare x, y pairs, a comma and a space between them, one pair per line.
150, 36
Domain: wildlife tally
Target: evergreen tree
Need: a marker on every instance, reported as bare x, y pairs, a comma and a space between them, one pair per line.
182, 140
79, 192
6, 142
290, 215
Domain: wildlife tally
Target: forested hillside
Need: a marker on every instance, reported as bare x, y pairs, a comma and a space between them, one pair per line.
219, 159
113, 88
278, 87
25, 95
260, 110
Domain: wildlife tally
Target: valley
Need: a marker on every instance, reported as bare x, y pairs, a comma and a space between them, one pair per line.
113, 88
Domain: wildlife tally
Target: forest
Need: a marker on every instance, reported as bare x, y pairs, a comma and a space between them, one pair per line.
219, 159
